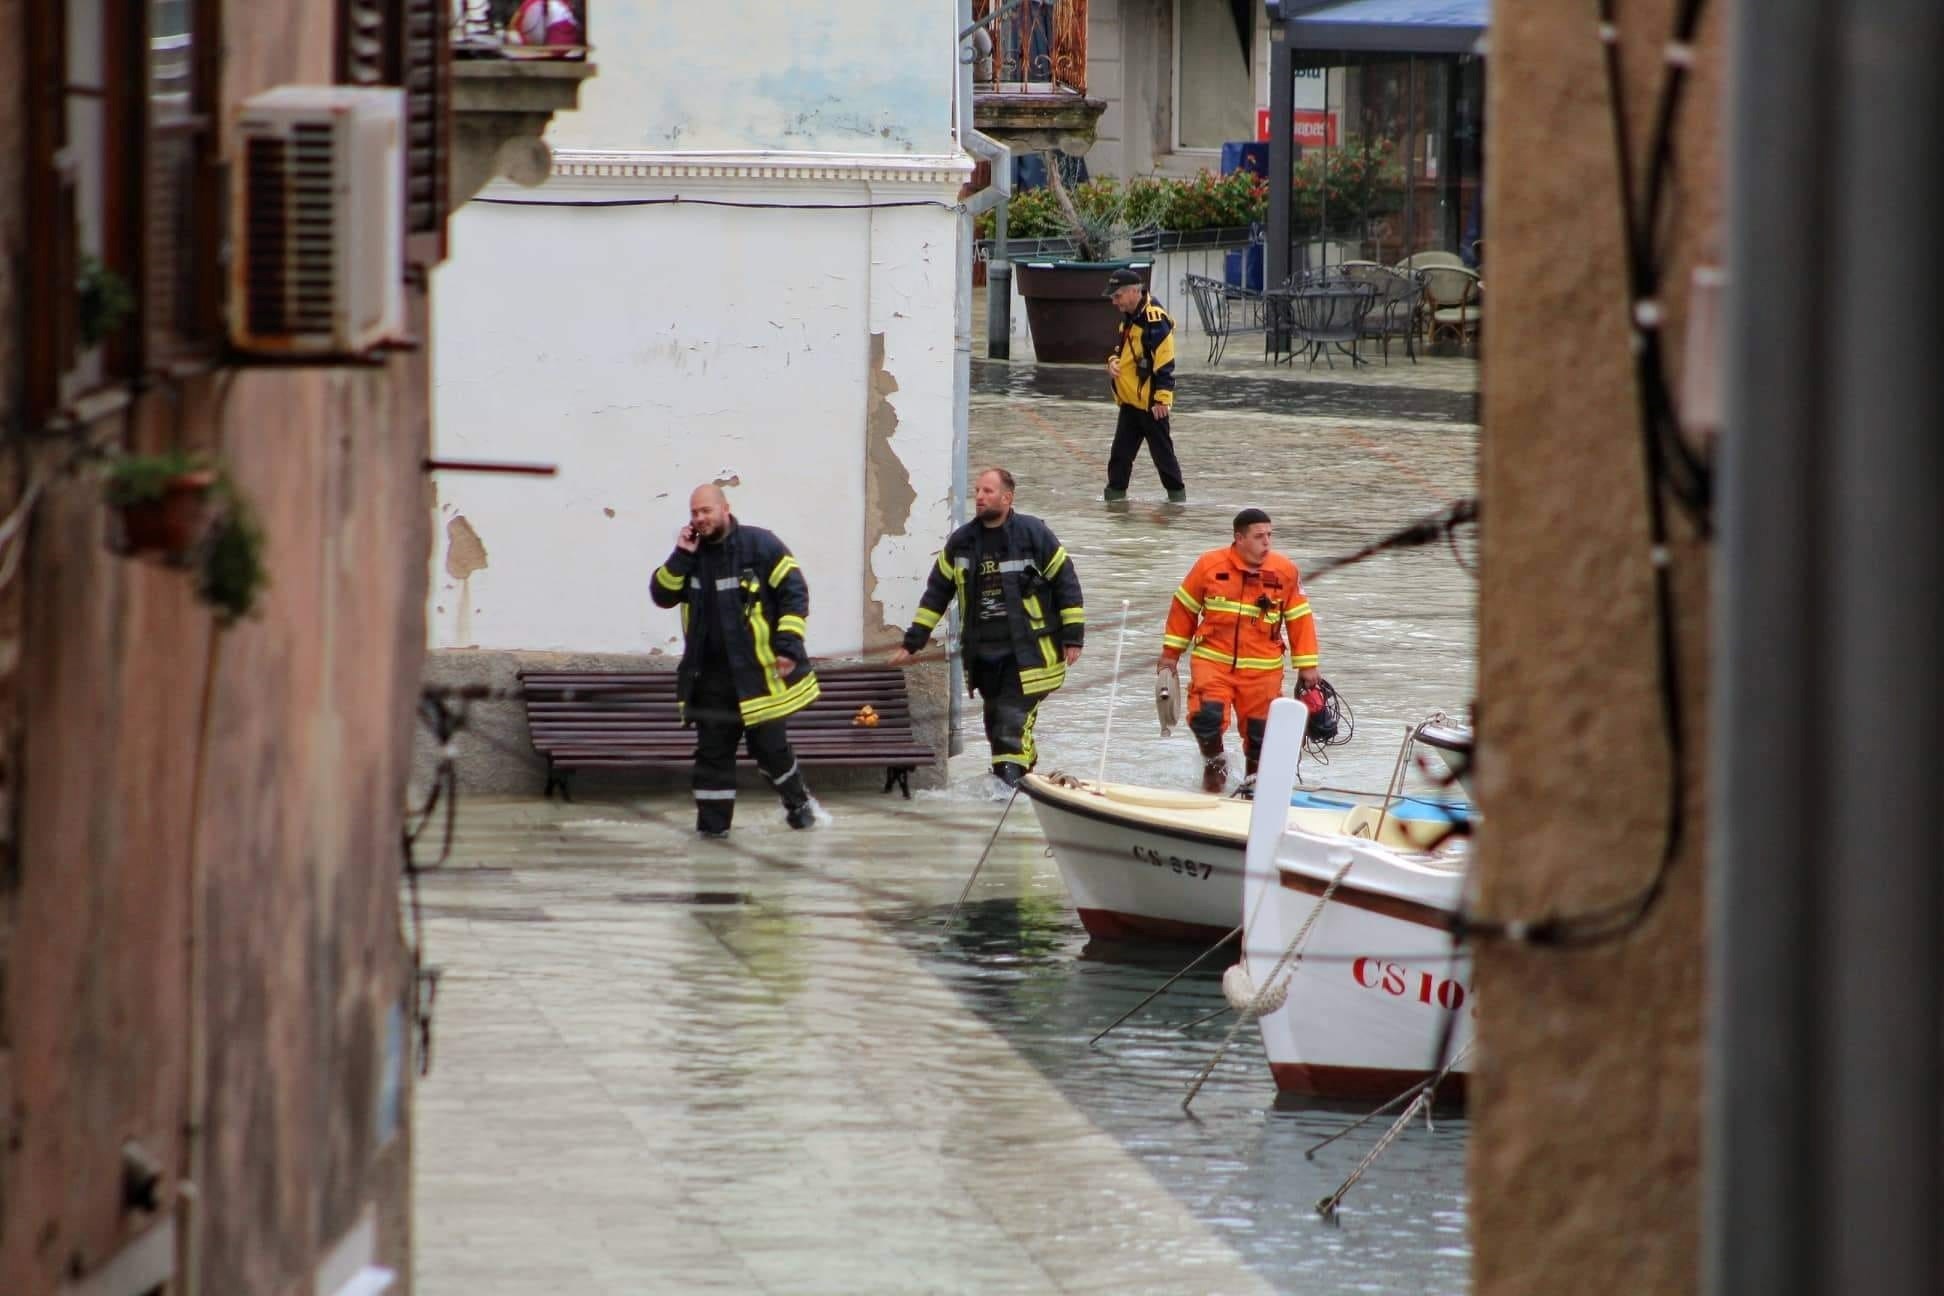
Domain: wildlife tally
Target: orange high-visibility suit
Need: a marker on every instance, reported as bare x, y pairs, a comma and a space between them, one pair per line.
1237, 623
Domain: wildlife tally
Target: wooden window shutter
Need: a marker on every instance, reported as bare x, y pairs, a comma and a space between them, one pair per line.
406, 43
180, 293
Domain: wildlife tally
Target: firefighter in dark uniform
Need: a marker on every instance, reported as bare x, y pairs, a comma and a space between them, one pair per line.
744, 668
1019, 600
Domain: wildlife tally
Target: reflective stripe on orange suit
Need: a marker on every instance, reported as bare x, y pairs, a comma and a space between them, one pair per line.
1236, 642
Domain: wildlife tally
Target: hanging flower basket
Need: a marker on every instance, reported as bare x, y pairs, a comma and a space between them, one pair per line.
158, 505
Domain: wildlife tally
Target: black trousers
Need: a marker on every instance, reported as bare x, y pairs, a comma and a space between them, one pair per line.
1136, 426
718, 729
1009, 716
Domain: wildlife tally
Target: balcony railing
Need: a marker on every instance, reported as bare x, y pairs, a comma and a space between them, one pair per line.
1036, 47
520, 29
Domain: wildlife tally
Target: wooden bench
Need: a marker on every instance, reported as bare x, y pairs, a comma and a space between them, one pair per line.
609, 720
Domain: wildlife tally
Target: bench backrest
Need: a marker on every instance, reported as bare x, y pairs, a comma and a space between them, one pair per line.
645, 701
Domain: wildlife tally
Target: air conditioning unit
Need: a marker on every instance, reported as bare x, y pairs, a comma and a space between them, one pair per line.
317, 262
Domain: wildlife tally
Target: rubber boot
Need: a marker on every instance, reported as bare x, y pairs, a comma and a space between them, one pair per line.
1215, 774
1113, 496
1177, 497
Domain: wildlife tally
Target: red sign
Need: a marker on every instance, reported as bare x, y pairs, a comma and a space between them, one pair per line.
1315, 127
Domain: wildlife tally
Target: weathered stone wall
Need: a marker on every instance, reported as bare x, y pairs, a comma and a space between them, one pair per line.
207, 954
1586, 1139
13, 240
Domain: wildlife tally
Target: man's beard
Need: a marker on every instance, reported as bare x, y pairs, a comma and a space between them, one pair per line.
991, 512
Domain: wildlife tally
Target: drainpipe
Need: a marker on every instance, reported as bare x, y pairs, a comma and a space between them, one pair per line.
961, 359
986, 149
994, 198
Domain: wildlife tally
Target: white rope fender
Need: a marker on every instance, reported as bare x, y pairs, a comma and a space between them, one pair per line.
1243, 996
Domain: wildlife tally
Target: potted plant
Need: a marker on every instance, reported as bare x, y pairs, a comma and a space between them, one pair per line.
1070, 321
158, 505
180, 508
230, 575
105, 302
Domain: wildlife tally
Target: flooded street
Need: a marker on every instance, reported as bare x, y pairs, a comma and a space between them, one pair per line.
667, 1065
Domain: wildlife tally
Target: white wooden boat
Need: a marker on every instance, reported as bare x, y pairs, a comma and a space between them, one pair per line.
1369, 998
1154, 863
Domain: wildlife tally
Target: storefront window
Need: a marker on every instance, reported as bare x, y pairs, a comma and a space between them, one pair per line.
1393, 163
1214, 99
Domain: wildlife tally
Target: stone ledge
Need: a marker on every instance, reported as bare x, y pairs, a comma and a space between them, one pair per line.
1039, 121
500, 109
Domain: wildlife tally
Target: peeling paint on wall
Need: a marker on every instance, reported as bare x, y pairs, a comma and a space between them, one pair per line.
888, 494
465, 551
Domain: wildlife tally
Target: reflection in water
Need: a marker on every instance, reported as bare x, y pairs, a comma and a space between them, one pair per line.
1334, 464
1029, 970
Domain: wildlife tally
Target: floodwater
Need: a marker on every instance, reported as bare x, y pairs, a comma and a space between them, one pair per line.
1396, 631
769, 1064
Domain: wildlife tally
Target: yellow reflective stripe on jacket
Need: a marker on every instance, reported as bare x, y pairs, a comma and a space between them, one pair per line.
790, 623
946, 568
784, 566
1042, 679
759, 632
797, 696
1206, 653
1176, 642
1218, 604
927, 619
667, 579
1073, 616
1053, 564
1299, 611
1307, 659
1187, 600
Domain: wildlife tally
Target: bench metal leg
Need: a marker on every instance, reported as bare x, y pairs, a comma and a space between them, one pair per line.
557, 779
898, 776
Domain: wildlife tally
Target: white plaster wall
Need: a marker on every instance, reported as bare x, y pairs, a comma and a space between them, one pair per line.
647, 349
843, 76
913, 268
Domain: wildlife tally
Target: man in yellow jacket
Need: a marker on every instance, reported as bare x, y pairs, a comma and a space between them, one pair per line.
1142, 368
1238, 612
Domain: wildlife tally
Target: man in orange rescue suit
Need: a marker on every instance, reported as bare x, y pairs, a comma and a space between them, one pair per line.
1142, 368
1240, 609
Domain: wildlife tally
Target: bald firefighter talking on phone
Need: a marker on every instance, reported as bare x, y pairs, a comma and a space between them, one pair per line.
744, 668
1238, 612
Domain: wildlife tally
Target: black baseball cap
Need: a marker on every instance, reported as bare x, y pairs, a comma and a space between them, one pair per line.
1120, 279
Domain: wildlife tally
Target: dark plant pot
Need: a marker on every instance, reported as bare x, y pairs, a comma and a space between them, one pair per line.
168, 526
1070, 321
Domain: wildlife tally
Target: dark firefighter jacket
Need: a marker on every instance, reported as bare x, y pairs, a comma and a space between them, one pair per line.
1042, 598
760, 602
1147, 352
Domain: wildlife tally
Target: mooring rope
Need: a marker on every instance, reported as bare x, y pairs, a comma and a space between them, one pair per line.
1327, 1206
1259, 1002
